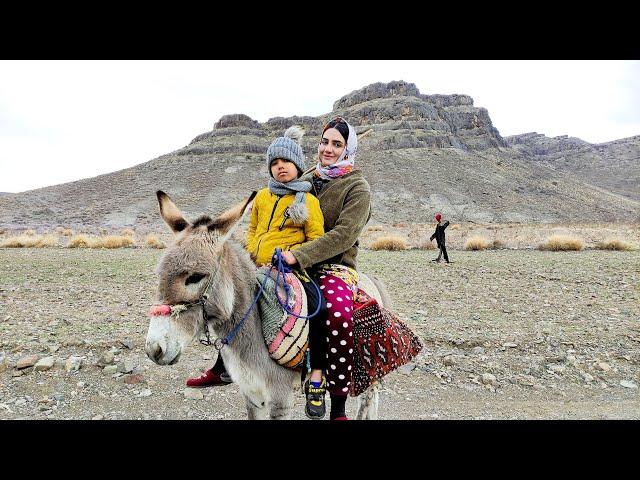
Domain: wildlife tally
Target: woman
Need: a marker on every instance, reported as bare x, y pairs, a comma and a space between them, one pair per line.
345, 201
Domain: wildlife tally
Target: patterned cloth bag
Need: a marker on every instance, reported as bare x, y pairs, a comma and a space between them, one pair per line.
286, 335
382, 343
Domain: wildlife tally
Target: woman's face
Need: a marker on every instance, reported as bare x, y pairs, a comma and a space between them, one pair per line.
331, 147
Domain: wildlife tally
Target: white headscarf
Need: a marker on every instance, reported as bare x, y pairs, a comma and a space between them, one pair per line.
345, 161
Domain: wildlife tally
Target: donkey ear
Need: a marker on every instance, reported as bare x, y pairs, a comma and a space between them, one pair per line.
230, 217
170, 213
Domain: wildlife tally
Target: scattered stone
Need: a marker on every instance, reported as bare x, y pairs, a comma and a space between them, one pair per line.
110, 369
628, 384
98, 417
448, 361
81, 384
28, 361
510, 345
478, 350
133, 379
489, 379
126, 366
587, 377
404, 369
17, 373
557, 368
126, 343
106, 358
147, 393
3, 362
73, 364
603, 366
45, 363
194, 394
555, 358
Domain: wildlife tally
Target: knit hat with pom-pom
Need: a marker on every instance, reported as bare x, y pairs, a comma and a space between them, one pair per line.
288, 148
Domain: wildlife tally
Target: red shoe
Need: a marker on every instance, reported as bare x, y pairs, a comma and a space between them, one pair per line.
209, 379
340, 418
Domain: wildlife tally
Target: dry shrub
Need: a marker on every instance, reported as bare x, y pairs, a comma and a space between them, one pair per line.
19, 241
104, 231
30, 241
127, 232
80, 241
615, 244
558, 243
454, 227
2, 231
153, 241
497, 245
113, 241
391, 242
30, 233
476, 243
47, 241
66, 232
375, 228
426, 246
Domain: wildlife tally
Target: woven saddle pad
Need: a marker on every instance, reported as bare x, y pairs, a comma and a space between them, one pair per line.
285, 335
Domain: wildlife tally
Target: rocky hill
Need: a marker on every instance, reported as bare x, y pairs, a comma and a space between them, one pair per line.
425, 153
613, 166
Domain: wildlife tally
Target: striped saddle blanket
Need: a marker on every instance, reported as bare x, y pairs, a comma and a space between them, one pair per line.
286, 335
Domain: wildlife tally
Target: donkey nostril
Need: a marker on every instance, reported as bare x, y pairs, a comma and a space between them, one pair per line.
156, 353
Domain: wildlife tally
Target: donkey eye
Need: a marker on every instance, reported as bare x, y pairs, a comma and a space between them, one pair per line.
194, 278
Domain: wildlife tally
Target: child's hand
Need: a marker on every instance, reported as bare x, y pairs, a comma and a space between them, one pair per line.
289, 258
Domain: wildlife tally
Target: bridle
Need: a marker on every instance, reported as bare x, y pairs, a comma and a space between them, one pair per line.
281, 268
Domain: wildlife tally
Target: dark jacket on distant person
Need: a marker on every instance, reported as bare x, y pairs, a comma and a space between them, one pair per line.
439, 233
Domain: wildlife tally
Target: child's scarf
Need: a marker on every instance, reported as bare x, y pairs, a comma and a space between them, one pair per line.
298, 211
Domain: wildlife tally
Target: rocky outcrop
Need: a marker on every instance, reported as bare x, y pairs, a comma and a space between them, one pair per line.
613, 166
424, 153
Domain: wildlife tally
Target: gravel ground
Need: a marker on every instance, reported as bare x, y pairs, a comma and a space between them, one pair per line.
509, 334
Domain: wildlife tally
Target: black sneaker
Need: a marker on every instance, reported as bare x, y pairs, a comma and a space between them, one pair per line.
315, 408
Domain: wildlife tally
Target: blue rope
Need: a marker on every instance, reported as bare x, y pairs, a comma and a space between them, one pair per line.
233, 332
282, 268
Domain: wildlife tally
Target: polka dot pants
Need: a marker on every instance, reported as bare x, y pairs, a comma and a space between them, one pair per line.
339, 297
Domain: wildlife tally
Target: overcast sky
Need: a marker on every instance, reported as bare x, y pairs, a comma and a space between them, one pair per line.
65, 120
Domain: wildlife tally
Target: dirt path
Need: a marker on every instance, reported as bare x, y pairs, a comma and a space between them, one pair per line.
508, 335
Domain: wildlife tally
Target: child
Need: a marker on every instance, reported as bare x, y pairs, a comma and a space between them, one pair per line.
440, 238
284, 215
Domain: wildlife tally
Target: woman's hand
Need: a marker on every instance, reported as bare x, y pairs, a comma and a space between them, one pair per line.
289, 258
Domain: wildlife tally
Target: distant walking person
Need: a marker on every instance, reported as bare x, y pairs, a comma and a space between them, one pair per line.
440, 238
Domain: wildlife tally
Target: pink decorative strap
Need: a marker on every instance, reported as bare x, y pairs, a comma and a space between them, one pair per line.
160, 310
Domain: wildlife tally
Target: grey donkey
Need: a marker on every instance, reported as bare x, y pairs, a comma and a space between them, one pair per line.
204, 258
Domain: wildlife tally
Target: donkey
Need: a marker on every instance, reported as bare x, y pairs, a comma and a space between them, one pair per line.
214, 276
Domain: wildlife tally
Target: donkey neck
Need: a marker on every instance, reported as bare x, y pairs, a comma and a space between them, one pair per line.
237, 280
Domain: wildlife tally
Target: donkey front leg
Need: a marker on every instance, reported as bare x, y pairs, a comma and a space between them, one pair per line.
256, 407
281, 404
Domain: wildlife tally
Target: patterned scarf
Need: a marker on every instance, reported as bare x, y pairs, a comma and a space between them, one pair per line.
298, 211
344, 164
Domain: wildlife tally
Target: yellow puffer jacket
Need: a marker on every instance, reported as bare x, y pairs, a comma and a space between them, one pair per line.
269, 229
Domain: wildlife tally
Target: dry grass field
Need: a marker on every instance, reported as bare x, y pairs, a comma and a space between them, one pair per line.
508, 334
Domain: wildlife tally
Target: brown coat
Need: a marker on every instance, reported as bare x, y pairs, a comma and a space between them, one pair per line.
346, 206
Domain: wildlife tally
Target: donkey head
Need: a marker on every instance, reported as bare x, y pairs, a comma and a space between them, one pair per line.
184, 272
